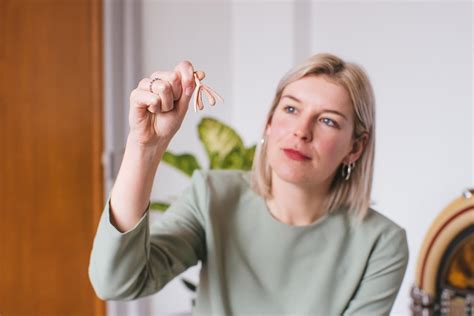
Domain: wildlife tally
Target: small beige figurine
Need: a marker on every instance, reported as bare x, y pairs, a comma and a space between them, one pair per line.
210, 94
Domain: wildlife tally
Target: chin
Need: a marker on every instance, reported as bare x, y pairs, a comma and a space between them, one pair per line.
298, 175
291, 175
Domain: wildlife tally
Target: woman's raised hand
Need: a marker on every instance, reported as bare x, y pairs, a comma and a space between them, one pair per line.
159, 103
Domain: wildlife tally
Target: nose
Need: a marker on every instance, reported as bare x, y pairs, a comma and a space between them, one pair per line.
304, 130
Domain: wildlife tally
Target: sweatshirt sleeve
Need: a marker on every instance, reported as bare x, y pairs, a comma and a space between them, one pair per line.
141, 261
383, 276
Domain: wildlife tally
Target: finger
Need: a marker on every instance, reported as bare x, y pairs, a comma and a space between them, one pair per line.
145, 100
153, 109
161, 88
166, 94
174, 80
186, 72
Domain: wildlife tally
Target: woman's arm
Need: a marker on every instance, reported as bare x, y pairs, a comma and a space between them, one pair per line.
130, 195
157, 109
122, 264
141, 261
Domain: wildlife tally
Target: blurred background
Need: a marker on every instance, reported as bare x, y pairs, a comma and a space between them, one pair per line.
67, 69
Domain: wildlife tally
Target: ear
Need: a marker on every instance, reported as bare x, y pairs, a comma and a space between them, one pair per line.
358, 146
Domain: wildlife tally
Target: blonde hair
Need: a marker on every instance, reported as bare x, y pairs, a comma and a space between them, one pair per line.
353, 194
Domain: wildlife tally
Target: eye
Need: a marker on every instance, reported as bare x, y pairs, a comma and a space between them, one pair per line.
329, 122
289, 109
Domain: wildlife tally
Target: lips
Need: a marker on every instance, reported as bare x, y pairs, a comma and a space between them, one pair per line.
295, 155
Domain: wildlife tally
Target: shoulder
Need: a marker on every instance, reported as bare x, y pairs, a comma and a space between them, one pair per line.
383, 233
375, 220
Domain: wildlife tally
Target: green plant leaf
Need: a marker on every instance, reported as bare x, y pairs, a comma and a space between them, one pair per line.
186, 163
218, 139
159, 206
234, 160
248, 157
215, 161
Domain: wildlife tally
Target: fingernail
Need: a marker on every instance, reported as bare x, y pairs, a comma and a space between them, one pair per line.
189, 91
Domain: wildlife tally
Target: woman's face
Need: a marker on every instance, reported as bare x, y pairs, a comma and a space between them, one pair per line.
310, 133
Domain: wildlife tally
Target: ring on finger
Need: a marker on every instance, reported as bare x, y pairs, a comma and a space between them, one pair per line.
151, 83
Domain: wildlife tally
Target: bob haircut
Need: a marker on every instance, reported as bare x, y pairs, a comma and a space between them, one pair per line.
353, 194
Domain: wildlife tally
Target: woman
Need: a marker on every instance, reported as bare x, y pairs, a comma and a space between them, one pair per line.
294, 236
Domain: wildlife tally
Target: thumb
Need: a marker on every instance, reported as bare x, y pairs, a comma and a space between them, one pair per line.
182, 103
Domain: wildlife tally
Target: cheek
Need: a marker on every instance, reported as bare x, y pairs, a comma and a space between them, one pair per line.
278, 129
276, 135
333, 146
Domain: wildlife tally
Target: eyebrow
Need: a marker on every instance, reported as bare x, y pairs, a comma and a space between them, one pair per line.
289, 96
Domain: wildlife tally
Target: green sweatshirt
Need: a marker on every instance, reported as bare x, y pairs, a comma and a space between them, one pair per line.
252, 264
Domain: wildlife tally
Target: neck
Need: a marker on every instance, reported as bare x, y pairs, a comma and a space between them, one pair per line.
296, 205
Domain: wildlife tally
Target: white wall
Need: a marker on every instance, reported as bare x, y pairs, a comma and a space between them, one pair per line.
417, 54
419, 58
